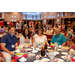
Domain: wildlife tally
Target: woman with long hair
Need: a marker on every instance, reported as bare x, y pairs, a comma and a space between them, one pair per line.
26, 37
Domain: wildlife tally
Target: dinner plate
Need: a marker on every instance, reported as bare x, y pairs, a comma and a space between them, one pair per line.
63, 57
18, 51
19, 47
38, 61
59, 49
29, 49
45, 59
22, 60
48, 47
65, 53
60, 60
42, 56
55, 53
19, 55
32, 47
34, 51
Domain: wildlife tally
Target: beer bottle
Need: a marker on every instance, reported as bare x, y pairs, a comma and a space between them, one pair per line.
46, 45
43, 51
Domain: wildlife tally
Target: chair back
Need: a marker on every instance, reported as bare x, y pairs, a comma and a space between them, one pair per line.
72, 47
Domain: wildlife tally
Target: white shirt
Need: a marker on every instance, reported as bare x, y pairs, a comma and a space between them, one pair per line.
17, 26
40, 39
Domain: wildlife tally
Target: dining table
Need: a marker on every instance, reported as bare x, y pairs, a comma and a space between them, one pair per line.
30, 56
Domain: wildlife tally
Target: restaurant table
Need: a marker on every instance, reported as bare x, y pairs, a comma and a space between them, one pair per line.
33, 58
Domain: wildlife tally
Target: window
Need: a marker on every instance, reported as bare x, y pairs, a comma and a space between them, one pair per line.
35, 16
12, 20
39, 16
29, 16
58, 15
57, 20
12, 16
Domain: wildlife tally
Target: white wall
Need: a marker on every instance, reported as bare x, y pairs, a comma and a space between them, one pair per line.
8, 16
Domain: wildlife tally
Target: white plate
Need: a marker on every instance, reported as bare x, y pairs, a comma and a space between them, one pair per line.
18, 51
42, 56
59, 49
65, 53
48, 47
55, 53
63, 57
32, 47
29, 49
22, 60
38, 61
45, 59
34, 51
60, 60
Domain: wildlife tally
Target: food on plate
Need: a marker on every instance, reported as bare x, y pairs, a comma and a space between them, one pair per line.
19, 53
66, 47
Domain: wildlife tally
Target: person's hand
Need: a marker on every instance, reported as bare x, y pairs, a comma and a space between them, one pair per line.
3, 59
12, 53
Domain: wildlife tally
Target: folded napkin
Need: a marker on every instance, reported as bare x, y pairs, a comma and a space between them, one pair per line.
16, 57
73, 59
51, 46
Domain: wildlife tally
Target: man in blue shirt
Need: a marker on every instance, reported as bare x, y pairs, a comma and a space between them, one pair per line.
8, 44
58, 38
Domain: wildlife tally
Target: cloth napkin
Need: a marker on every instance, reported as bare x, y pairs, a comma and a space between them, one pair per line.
16, 57
51, 46
73, 59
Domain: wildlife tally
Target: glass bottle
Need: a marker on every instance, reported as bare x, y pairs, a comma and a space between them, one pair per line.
46, 45
43, 51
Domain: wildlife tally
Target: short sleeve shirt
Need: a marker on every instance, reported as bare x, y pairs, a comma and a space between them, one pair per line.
9, 40
60, 39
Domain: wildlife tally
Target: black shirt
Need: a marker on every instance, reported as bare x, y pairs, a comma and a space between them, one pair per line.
9, 40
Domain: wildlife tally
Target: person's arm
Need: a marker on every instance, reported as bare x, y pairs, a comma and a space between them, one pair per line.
52, 41
5, 49
22, 40
64, 44
64, 40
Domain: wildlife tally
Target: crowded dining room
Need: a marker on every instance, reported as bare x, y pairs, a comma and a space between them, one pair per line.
37, 36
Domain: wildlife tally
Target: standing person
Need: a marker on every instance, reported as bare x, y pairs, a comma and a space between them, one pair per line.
74, 29
2, 30
39, 26
22, 26
12, 24
17, 26
8, 44
25, 25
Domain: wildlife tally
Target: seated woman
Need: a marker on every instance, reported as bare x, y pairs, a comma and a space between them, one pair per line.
26, 37
50, 30
39, 38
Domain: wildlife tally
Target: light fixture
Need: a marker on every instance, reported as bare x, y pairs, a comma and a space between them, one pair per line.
58, 15
12, 20
44, 16
12, 16
15, 20
57, 20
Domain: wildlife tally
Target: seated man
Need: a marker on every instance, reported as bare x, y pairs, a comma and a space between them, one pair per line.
8, 44
59, 38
